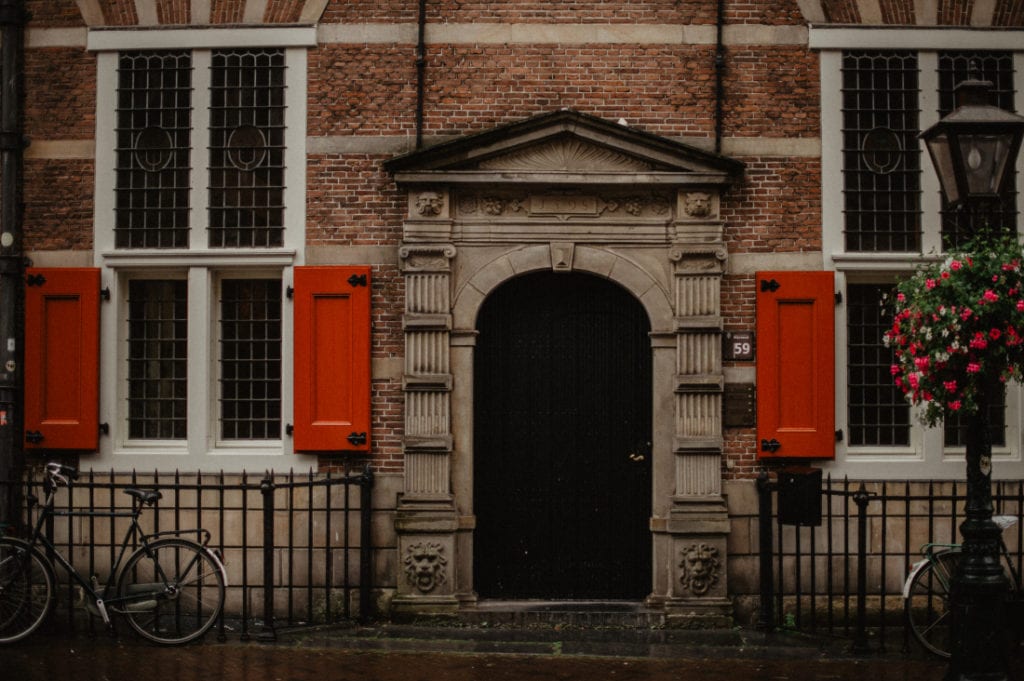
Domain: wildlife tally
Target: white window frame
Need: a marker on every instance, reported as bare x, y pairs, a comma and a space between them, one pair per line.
202, 266
926, 457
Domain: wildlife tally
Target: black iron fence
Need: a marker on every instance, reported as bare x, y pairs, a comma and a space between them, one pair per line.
297, 547
842, 574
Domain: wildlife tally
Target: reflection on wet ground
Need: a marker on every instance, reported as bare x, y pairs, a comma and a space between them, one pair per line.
85, 658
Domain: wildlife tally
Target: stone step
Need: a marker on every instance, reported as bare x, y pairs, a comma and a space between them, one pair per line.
559, 614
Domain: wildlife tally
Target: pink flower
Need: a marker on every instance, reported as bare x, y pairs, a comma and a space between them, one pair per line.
966, 314
945, 274
955, 405
894, 369
990, 296
921, 363
994, 334
979, 342
950, 386
913, 380
900, 297
973, 367
930, 284
955, 265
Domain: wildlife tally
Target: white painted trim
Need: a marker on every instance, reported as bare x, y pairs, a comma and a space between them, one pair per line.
831, 152
101, 40
926, 456
889, 38
203, 267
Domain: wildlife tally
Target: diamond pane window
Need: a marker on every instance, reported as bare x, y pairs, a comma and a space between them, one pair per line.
881, 159
247, 149
154, 99
157, 359
997, 68
878, 413
250, 359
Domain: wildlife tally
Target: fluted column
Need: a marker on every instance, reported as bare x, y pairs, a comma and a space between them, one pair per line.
426, 520
698, 521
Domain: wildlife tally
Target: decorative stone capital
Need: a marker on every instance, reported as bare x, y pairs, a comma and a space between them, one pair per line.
426, 257
698, 259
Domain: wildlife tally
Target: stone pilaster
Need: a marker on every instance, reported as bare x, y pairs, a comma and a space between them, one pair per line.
426, 520
698, 521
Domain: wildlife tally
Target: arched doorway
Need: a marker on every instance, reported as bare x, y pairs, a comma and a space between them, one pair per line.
562, 467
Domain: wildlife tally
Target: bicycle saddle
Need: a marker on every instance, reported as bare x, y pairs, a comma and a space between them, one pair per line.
146, 496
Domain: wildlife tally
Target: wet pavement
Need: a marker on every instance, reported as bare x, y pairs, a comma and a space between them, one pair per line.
425, 654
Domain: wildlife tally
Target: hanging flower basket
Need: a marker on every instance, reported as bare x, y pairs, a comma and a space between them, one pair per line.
958, 326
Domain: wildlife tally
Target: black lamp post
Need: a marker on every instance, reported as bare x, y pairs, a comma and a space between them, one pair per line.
974, 150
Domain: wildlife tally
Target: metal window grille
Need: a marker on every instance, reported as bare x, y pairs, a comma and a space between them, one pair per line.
878, 412
157, 359
955, 427
881, 159
250, 359
247, 149
996, 67
154, 100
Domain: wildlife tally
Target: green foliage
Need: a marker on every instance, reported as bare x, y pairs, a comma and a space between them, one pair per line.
958, 325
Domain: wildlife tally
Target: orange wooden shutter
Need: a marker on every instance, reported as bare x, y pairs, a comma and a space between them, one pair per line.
332, 359
62, 343
795, 365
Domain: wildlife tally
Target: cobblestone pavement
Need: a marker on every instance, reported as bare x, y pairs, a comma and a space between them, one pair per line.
425, 655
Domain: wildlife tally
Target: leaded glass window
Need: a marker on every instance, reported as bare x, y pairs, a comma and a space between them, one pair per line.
881, 159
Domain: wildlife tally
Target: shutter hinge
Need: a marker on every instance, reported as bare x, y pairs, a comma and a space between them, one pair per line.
289, 292
770, 286
35, 280
357, 438
105, 293
289, 428
33, 437
839, 297
772, 445
839, 435
104, 429
357, 280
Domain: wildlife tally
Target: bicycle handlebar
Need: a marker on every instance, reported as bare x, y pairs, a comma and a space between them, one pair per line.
61, 474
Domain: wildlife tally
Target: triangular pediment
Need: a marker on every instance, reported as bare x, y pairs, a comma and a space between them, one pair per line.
565, 146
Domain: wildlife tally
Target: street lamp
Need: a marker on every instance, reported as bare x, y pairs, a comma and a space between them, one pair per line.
974, 150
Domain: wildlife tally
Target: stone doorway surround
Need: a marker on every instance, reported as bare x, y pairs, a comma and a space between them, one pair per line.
563, 192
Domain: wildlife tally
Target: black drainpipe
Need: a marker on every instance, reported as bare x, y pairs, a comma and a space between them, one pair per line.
12, 332
719, 70
421, 71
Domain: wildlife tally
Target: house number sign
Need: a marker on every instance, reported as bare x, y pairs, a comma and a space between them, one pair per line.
739, 346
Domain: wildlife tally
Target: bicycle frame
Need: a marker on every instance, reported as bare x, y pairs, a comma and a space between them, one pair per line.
133, 535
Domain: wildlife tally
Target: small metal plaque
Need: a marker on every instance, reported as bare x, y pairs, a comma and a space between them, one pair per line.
738, 346
738, 405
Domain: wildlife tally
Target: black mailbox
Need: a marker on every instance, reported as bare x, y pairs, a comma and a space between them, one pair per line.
800, 496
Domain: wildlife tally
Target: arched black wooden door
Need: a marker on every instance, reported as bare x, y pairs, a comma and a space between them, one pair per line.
562, 469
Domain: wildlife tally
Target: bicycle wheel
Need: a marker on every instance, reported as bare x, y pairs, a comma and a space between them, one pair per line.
26, 588
171, 591
928, 607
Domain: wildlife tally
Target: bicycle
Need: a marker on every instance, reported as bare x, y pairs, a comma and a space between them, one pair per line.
927, 588
170, 589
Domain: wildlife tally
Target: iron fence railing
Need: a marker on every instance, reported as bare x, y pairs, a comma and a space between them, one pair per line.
297, 547
844, 577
